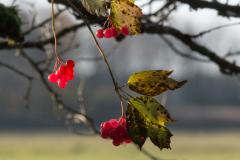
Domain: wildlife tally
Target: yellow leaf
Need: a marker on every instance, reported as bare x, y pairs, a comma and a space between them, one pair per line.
153, 111
152, 83
95, 7
124, 13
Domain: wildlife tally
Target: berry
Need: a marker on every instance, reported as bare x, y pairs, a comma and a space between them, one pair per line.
127, 140
108, 33
114, 123
59, 74
65, 78
70, 64
53, 78
113, 134
116, 142
125, 31
104, 134
71, 77
121, 129
107, 126
99, 33
115, 32
102, 124
62, 84
125, 135
121, 138
63, 70
70, 71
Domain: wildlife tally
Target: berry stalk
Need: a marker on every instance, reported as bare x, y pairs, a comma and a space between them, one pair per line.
99, 48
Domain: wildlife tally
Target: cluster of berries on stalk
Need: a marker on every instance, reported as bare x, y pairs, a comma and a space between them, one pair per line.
111, 32
115, 130
63, 74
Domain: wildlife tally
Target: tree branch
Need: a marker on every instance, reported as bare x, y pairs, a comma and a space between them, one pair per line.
223, 9
225, 66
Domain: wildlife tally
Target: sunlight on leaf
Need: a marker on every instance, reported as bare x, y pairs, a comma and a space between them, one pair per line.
152, 83
124, 13
146, 118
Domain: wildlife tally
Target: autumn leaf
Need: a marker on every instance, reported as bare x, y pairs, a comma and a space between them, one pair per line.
152, 83
146, 118
124, 13
95, 7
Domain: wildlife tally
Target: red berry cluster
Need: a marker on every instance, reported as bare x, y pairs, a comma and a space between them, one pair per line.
111, 32
63, 74
116, 130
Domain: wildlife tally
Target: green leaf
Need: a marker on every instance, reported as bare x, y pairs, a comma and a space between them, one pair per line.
145, 118
152, 83
124, 13
95, 7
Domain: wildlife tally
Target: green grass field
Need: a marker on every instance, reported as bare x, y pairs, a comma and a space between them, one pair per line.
67, 146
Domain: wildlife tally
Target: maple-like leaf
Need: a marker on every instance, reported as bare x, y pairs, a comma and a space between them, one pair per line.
95, 7
153, 82
146, 118
124, 13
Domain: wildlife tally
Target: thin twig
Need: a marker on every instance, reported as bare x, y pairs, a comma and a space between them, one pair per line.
185, 55
213, 29
29, 83
42, 23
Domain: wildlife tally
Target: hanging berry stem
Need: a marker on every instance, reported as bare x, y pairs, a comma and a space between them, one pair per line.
60, 61
96, 42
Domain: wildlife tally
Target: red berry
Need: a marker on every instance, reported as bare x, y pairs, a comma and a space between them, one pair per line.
108, 33
127, 140
71, 77
124, 124
116, 142
104, 134
107, 126
125, 31
114, 123
70, 64
99, 33
65, 78
121, 138
125, 135
53, 78
62, 84
70, 71
115, 32
113, 134
102, 124
63, 70
59, 74
121, 129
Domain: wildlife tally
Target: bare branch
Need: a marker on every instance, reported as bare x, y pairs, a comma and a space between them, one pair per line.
43, 23
225, 66
185, 55
223, 9
40, 44
213, 29
29, 83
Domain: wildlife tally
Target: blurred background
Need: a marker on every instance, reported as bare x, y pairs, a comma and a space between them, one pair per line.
207, 107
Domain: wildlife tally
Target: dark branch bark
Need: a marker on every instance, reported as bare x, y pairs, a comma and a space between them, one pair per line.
223, 9
225, 66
